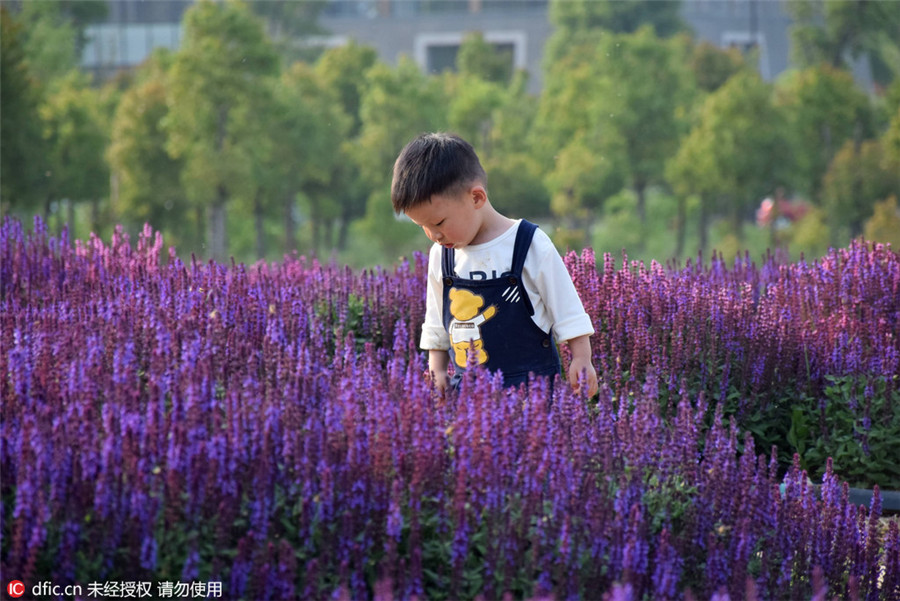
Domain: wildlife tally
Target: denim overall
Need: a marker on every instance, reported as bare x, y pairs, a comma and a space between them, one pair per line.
492, 319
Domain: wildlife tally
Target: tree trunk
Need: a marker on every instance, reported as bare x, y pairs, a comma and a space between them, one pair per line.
290, 226
737, 222
48, 202
315, 224
856, 224
640, 189
70, 217
114, 197
681, 226
329, 236
827, 155
703, 224
343, 229
95, 215
218, 240
259, 223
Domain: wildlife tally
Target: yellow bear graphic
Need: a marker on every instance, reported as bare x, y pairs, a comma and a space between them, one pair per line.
465, 328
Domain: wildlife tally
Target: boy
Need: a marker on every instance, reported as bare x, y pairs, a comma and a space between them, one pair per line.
497, 287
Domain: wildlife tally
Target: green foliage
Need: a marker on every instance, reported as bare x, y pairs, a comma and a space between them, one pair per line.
859, 176
218, 73
343, 70
308, 133
892, 136
76, 132
479, 59
822, 109
737, 160
809, 235
830, 427
620, 17
884, 225
51, 40
515, 186
565, 106
607, 88
148, 178
21, 153
473, 104
289, 21
835, 31
713, 66
584, 176
398, 104
219, 135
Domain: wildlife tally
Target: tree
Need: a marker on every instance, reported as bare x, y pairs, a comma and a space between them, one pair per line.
884, 224
610, 85
309, 132
77, 133
836, 31
22, 166
616, 16
646, 89
220, 68
856, 180
398, 104
147, 179
692, 172
480, 59
343, 70
289, 23
823, 108
727, 155
629, 87
587, 171
892, 137
713, 66
473, 104
512, 124
565, 107
515, 185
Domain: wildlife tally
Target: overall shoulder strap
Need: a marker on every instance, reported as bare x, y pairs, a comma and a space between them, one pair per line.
448, 260
523, 242
520, 251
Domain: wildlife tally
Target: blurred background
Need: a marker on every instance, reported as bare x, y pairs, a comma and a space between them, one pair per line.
258, 129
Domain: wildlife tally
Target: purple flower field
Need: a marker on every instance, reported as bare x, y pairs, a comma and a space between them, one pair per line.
270, 427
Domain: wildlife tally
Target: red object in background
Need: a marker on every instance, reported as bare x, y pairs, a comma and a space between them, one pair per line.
780, 207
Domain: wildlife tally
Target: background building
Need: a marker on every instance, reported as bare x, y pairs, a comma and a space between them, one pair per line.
430, 31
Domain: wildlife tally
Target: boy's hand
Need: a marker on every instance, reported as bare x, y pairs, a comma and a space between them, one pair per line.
581, 363
439, 379
576, 368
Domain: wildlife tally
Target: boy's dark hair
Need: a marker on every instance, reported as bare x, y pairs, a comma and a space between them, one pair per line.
430, 164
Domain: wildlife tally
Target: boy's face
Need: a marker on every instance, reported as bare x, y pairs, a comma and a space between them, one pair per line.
453, 219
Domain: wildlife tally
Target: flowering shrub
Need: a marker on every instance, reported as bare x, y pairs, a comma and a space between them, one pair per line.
782, 346
270, 427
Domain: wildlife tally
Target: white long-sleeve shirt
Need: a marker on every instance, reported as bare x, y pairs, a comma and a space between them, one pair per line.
550, 288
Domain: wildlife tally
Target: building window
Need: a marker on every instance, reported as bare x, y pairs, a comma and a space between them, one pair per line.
747, 42
436, 52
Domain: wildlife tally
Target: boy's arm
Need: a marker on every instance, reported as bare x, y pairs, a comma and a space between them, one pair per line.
570, 321
438, 362
434, 337
581, 364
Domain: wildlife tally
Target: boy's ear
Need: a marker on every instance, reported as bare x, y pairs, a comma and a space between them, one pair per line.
479, 195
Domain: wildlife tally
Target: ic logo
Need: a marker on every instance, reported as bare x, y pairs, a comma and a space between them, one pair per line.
15, 588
